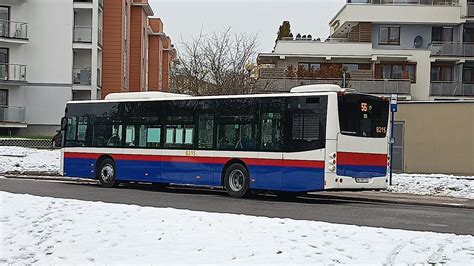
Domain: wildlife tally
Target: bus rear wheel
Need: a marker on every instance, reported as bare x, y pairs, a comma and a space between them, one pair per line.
237, 181
106, 173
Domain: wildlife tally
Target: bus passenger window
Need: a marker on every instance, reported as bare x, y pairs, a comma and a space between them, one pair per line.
149, 136
179, 132
271, 132
130, 136
206, 131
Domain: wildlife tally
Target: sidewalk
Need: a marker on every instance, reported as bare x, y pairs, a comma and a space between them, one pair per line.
392, 197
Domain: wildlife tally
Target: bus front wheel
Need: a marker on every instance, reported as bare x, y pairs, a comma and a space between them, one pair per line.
106, 173
237, 180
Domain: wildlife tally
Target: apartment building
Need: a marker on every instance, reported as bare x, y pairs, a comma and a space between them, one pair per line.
137, 52
418, 49
53, 51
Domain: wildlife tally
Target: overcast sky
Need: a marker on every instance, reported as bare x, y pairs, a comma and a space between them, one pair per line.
183, 19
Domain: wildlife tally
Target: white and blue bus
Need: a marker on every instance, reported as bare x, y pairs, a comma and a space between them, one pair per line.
311, 139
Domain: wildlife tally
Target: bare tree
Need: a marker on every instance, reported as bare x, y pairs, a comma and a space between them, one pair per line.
215, 64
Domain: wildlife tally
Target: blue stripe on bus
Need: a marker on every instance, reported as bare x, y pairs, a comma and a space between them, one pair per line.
366, 171
207, 174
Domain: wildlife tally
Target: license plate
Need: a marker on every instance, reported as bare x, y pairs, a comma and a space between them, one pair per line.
362, 180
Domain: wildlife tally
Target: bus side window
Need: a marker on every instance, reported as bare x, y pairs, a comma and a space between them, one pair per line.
130, 136
179, 132
71, 128
271, 131
206, 131
149, 136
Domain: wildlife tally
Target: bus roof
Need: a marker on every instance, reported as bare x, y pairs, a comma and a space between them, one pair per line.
163, 96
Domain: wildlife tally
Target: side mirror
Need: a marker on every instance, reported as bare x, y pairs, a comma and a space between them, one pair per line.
64, 123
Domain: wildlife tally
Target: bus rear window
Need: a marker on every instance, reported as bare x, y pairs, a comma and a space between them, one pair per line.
363, 115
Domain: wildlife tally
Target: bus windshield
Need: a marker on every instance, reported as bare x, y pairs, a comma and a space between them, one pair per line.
363, 115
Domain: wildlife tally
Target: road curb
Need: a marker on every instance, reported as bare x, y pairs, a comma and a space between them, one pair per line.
48, 178
469, 205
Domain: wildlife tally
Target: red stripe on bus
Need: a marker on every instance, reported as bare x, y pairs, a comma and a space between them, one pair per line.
366, 159
197, 159
77, 155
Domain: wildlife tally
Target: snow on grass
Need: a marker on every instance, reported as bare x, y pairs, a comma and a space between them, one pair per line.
434, 184
56, 231
19, 159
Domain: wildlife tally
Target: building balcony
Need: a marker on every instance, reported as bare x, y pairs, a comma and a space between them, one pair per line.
407, 2
12, 115
452, 89
81, 76
12, 73
372, 86
396, 12
82, 34
13, 31
470, 10
452, 49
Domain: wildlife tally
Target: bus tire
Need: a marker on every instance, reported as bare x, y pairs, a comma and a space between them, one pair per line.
106, 173
237, 181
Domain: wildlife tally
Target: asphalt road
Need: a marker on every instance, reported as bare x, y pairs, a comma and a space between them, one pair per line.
317, 207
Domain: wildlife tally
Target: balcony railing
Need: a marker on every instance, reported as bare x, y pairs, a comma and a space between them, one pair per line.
451, 89
452, 49
375, 86
99, 78
81, 76
470, 9
12, 72
99, 37
13, 29
12, 114
83, 34
407, 2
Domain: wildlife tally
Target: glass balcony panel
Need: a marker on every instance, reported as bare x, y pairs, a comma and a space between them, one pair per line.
450, 88
81, 76
13, 29
83, 34
12, 72
12, 114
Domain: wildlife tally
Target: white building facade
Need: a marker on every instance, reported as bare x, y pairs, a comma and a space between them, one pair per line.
50, 53
418, 49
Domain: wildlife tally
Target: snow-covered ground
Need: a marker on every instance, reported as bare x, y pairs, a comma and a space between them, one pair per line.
434, 184
56, 231
24, 160
19, 159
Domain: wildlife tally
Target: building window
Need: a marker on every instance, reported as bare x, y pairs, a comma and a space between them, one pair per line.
389, 35
468, 74
398, 71
441, 73
442, 34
